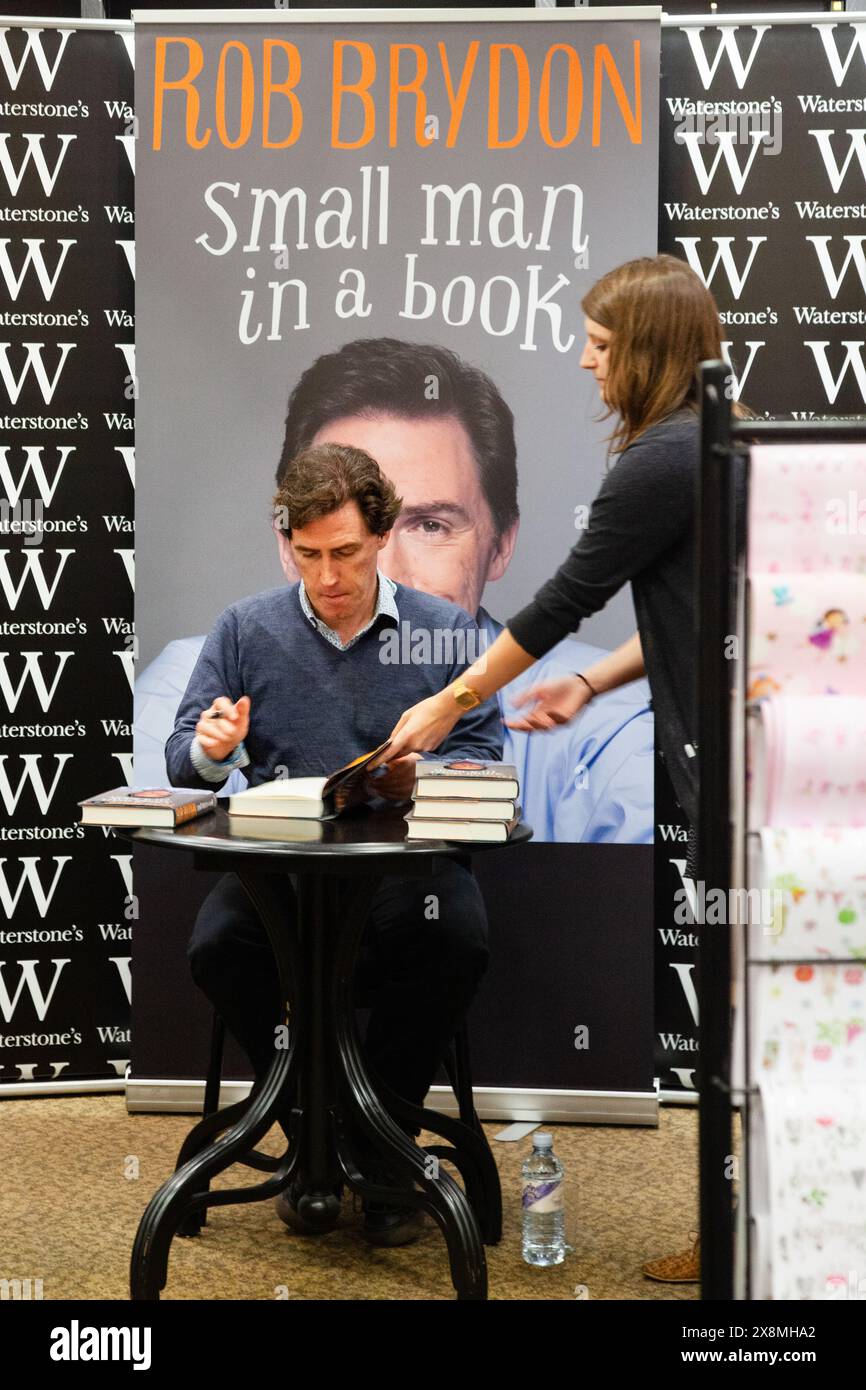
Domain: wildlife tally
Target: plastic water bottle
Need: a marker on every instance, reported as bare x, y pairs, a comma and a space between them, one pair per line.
543, 1204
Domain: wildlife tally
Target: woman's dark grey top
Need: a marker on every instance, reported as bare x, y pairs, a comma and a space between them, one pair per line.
641, 528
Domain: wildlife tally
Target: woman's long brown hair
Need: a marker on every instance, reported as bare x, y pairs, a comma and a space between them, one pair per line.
664, 322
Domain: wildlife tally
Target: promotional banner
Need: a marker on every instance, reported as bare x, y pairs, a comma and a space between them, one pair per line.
379, 233
762, 190
67, 474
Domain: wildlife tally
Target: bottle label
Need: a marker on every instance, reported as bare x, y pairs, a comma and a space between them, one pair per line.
543, 1195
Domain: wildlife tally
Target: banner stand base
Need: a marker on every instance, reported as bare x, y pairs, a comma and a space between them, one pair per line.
14, 1090
148, 1095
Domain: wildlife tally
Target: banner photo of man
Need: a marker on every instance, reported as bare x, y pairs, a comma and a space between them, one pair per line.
383, 243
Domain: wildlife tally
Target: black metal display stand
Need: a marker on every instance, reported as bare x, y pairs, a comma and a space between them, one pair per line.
723, 815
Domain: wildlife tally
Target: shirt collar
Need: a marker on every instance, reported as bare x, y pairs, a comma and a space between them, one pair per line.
385, 605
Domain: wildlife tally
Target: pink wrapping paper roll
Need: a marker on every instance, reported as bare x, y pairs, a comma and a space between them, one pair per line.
809, 1022
817, 884
807, 762
807, 634
807, 511
816, 1185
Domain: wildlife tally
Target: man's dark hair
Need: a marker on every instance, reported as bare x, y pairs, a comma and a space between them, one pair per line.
385, 376
323, 478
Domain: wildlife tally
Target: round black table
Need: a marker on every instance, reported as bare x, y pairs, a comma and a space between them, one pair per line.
337, 866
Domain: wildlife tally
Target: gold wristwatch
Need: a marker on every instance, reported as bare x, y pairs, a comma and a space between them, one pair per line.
466, 697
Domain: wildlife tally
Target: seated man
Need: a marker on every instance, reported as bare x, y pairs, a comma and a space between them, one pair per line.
299, 678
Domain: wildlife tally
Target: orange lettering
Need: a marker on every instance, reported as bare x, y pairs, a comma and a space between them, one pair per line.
162, 85
457, 103
603, 56
360, 88
574, 102
248, 96
395, 87
496, 52
269, 86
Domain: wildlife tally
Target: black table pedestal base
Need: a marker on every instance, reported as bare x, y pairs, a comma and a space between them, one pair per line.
341, 1121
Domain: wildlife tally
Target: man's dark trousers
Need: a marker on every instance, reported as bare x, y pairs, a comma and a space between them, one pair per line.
423, 954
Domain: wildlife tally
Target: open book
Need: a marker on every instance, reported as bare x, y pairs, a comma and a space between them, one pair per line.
308, 798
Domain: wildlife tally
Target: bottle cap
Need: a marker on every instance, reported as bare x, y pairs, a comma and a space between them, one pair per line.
542, 1140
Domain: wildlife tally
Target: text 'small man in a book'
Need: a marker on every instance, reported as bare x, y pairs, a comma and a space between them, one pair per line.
304, 679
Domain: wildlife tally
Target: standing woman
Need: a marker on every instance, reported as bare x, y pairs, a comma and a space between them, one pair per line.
649, 324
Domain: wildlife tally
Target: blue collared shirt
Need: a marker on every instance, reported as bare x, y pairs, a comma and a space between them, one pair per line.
384, 604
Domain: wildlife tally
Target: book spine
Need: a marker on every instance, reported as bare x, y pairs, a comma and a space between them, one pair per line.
190, 810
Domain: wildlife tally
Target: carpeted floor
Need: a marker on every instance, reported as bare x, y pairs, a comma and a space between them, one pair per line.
78, 1172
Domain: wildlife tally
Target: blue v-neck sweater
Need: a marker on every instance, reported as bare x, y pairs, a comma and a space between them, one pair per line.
314, 707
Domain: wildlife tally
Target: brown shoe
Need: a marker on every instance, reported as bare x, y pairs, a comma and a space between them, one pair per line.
684, 1268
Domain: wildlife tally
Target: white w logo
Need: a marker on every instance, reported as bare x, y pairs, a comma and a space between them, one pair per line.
39, 1000
33, 672
124, 864
837, 67
128, 350
123, 964
33, 775
35, 258
738, 382
126, 765
834, 173
127, 558
855, 254
31, 877
14, 176
727, 44
32, 464
128, 143
127, 453
693, 139
32, 566
127, 661
684, 975
736, 281
853, 359
128, 249
128, 41
34, 360
33, 45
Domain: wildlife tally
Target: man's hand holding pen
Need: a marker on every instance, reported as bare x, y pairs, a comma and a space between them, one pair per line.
223, 726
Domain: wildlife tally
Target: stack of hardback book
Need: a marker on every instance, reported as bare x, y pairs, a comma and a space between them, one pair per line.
464, 800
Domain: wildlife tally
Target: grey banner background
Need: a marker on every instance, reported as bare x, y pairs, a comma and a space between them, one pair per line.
210, 413
209, 428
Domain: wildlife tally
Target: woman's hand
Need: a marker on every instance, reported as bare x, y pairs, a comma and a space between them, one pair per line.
397, 782
555, 702
423, 727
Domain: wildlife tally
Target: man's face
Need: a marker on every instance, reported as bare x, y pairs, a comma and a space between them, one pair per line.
444, 541
336, 556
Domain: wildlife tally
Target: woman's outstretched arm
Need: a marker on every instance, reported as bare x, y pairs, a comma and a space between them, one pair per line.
426, 724
559, 699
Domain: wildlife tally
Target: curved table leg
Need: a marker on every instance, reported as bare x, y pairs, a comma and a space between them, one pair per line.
186, 1191
364, 1111
469, 1152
